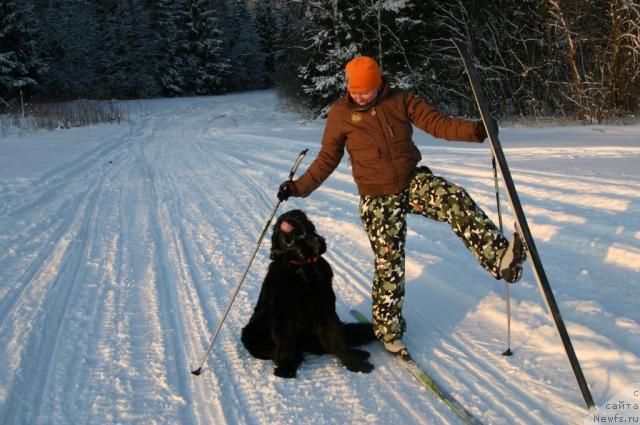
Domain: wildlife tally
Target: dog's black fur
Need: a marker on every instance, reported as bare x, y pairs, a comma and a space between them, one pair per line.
296, 310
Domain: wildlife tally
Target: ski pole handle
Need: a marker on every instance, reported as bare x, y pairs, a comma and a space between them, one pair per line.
297, 163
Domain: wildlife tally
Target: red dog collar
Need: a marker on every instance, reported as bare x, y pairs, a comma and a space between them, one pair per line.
310, 260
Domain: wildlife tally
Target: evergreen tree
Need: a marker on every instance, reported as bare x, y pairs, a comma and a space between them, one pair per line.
537, 57
332, 37
208, 63
289, 53
20, 67
164, 15
242, 44
268, 32
69, 41
125, 60
338, 30
201, 65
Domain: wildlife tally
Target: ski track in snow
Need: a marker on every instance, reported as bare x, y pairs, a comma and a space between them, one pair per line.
117, 264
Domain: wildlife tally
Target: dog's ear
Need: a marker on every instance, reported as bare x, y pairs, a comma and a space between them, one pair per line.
310, 228
275, 237
322, 245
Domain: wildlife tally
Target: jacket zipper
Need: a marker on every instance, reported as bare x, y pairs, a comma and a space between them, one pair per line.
388, 142
390, 131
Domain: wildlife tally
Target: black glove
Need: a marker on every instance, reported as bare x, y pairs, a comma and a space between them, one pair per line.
286, 190
481, 132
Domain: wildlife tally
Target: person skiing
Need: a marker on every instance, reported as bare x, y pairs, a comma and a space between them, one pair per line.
373, 121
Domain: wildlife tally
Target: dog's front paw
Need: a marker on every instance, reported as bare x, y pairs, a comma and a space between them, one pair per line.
361, 354
357, 361
360, 366
285, 372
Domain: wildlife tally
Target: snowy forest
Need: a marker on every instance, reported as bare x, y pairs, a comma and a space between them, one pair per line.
575, 59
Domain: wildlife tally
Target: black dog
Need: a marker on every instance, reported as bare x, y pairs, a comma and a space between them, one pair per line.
296, 310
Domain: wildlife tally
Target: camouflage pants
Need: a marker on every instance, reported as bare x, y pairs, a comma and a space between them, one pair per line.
383, 218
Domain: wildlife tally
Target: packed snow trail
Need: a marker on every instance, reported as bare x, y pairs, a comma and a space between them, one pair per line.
120, 247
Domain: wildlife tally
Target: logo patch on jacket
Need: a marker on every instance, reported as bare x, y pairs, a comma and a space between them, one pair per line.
356, 117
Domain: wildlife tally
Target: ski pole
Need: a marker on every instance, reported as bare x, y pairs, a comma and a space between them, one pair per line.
507, 296
198, 371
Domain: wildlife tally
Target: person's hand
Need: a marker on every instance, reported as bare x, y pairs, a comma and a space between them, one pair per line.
481, 132
287, 189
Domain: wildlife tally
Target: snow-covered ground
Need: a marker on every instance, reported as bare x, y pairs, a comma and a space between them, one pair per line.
120, 247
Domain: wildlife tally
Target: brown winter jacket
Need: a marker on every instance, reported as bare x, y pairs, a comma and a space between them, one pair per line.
378, 139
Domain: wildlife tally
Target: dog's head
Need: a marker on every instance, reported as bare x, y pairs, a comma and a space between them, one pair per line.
295, 239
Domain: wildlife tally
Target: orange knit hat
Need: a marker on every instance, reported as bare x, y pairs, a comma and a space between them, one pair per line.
363, 74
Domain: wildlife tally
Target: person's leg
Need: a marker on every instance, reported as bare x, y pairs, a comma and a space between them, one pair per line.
436, 198
383, 218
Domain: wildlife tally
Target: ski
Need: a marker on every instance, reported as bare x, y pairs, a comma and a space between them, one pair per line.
426, 380
522, 226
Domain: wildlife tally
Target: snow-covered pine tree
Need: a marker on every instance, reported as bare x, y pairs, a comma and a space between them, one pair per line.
242, 45
69, 41
125, 57
290, 53
108, 48
164, 17
20, 66
392, 31
268, 32
202, 64
332, 36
